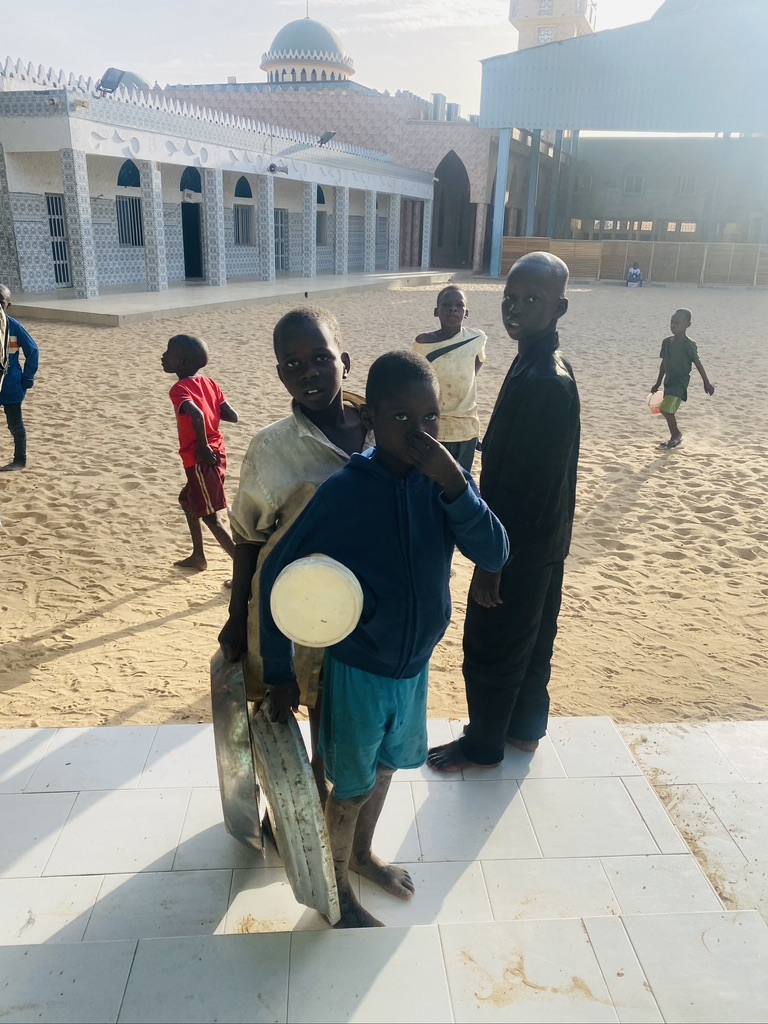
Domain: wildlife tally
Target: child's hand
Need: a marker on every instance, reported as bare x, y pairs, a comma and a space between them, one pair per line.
438, 464
207, 455
283, 700
709, 388
484, 588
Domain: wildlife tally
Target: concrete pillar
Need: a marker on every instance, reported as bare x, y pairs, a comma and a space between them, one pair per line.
393, 233
341, 249
533, 182
407, 222
265, 225
309, 229
369, 243
10, 272
554, 186
214, 238
500, 201
573, 156
154, 227
426, 235
481, 214
77, 210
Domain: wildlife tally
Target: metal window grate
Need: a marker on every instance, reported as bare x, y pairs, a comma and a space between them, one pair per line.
243, 220
57, 228
281, 239
130, 229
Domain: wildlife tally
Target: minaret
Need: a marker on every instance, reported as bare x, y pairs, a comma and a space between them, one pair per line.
549, 21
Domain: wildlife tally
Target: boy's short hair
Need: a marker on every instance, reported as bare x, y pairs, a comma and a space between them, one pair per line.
314, 314
686, 313
444, 291
394, 370
195, 350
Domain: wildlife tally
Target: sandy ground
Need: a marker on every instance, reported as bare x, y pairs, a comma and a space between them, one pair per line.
664, 615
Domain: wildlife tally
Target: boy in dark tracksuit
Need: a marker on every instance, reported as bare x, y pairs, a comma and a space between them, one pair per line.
393, 516
16, 378
530, 455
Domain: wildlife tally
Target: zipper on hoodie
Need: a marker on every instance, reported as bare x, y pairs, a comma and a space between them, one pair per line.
405, 534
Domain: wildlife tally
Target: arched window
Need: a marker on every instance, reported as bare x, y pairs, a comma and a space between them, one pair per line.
322, 77
128, 176
243, 189
284, 73
320, 197
293, 74
191, 181
314, 76
333, 77
303, 74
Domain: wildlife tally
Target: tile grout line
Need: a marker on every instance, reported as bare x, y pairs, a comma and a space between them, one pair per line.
642, 816
127, 979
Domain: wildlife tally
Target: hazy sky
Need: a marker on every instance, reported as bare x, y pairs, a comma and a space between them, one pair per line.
425, 46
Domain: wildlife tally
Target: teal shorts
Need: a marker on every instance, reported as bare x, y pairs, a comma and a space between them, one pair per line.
671, 404
368, 720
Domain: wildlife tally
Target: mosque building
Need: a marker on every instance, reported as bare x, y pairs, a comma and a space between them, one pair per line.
308, 171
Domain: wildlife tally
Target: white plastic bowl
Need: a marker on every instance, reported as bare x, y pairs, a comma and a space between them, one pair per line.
316, 601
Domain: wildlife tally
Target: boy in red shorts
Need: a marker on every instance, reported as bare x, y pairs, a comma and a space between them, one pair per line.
200, 407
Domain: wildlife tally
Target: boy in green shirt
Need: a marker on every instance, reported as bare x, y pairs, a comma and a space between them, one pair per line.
678, 354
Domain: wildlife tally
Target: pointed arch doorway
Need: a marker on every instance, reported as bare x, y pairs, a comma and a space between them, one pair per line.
453, 224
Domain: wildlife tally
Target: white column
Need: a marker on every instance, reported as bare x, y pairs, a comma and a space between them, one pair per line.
154, 226
500, 201
77, 210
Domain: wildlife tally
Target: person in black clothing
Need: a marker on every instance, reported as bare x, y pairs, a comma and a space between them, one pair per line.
530, 455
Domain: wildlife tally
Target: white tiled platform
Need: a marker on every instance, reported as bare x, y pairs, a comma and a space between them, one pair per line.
117, 306
553, 888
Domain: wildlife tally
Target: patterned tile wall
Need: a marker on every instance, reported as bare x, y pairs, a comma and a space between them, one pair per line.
356, 244
77, 210
154, 232
33, 242
393, 233
341, 253
382, 243
265, 225
9, 257
369, 251
426, 248
242, 260
308, 229
174, 241
326, 253
116, 264
294, 249
214, 242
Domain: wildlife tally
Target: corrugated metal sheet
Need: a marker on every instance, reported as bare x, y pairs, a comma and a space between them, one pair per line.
683, 72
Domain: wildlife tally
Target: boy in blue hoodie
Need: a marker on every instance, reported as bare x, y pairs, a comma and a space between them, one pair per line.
393, 516
16, 378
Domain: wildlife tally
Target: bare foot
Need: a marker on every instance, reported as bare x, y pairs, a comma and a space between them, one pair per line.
527, 746
449, 759
392, 879
195, 562
353, 915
